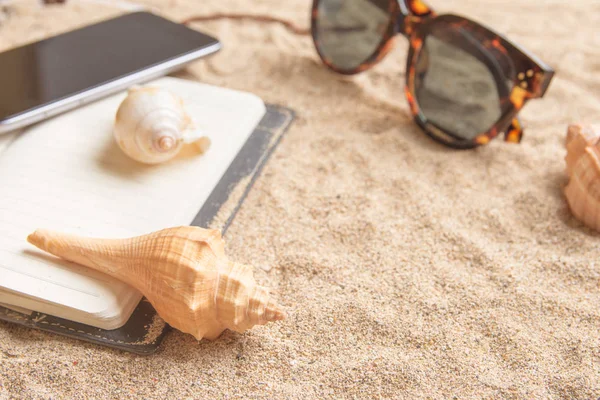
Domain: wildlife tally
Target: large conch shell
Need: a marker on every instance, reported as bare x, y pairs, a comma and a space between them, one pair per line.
182, 271
151, 126
583, 167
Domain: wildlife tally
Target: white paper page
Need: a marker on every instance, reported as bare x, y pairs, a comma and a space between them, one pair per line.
68, 174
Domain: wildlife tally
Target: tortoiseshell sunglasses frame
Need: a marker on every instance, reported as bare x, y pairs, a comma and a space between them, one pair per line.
415, 19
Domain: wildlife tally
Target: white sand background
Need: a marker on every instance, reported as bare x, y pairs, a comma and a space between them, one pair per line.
409, 270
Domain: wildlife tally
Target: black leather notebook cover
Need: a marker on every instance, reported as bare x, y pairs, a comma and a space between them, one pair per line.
144, 330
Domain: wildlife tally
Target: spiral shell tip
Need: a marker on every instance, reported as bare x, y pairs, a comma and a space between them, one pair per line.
166, 143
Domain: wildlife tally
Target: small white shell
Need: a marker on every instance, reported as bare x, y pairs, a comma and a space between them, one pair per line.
151, 125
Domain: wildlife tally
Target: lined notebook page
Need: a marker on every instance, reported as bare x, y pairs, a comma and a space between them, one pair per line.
67, 174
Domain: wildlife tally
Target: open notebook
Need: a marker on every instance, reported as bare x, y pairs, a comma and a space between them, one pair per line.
67, 174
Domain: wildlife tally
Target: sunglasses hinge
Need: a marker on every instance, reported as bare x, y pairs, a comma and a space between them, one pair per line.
406, 24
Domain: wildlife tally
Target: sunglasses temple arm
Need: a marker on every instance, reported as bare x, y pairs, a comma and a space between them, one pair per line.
514, 132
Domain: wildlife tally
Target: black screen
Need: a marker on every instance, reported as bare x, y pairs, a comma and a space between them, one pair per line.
64, 65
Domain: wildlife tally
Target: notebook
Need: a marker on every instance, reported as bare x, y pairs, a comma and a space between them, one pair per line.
144, 330
67, 174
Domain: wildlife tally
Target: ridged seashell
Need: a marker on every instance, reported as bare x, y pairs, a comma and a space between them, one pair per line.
583, 167
578, 138
182, 271
152, 125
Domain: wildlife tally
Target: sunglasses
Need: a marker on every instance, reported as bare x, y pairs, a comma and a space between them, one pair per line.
465, 84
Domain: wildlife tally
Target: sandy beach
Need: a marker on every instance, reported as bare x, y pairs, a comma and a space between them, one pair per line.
408, 270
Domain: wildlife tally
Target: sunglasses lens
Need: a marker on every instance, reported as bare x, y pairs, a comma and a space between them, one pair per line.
347, 33
458, 83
